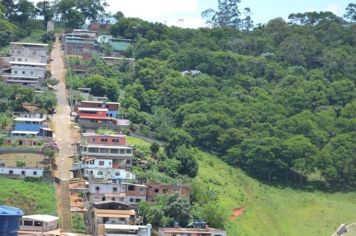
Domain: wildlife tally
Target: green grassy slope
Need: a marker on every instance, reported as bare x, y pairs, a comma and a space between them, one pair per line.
270, 210
30, 197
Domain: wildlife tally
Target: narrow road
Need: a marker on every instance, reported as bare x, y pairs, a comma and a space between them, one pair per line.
65, 136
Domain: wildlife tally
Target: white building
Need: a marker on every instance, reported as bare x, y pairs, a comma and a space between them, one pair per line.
28, 63
132, 230
39, 223
119, 192
22, 171
94, 168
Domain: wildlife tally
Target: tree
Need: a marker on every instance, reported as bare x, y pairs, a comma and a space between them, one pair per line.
227, 15
351, 12
46, 100
337, 161
91, 9
45, 9
177, 138
189, 165
118, 15
154, 148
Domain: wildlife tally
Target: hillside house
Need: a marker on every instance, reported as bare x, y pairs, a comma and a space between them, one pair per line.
96, 26
94, 168
132, 230
117, 191
121, 156
119, 45
121, 217
104, 139
191, 232
21, 172
39, 225
28, 62
80, 43
154, 189
29, 126
112, 107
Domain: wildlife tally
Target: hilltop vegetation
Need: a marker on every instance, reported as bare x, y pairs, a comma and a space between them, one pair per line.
277, 100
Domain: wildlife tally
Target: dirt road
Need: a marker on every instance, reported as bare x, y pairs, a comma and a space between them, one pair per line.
65, 136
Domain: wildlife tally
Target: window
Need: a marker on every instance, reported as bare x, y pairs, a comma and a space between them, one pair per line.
104, 150
15, 72
114, 189
122, 151
104, 140
115, 140
23, 172
31, 72
35, 173
114, 151
131, 188
28, 223
101, 163
157, 190
11, 172
38, 223
97, 188
100, 172
117, 173
103, 198
92, 162
113, 199
93, 149
128, 151
131, 200
93, 139
138, 200
19, 59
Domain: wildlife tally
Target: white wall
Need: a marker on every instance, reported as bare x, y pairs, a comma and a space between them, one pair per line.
100, 173
28, 71
28, 172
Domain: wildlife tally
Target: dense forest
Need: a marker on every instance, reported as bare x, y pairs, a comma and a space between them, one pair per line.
277, 100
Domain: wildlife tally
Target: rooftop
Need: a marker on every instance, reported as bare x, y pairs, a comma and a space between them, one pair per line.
29, 44
124, 227
114, 213
101, 102
10, 211
29, 119
105, 146
27, 63
187, 230
42, 218
91, 109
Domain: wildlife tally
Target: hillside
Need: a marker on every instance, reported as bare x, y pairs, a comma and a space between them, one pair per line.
268, 210
31, 197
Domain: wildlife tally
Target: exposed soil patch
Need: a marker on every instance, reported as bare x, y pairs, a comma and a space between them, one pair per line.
236, 212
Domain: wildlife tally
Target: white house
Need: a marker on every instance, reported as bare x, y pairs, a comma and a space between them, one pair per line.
103, 169
28, 63
123, 192
132, 230
39, 223
21, 171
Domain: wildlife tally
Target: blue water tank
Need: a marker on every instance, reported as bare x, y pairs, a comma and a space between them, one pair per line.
9, 220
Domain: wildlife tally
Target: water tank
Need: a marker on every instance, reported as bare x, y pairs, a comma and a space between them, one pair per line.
9, 220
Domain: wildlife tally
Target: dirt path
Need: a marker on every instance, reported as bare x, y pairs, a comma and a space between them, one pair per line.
65, 136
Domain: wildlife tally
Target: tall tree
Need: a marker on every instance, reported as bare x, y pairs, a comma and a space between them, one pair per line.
228, 15
351, 12
45, 9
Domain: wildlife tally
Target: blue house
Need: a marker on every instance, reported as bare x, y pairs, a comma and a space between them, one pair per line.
28, 126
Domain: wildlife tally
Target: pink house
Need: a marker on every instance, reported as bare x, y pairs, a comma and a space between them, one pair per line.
105, 139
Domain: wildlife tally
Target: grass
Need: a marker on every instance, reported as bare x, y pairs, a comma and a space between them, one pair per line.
31, 197
269, 210
78, 223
